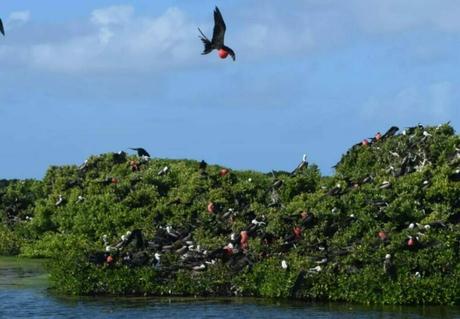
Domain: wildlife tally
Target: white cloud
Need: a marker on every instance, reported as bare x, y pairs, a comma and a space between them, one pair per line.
114, 39
112, 15
19, 17
117, 38
310, 26
435, 101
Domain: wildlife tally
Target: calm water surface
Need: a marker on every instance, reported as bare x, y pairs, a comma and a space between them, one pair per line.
23, 294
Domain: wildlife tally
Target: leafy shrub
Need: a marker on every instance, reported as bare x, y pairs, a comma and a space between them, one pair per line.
355, 224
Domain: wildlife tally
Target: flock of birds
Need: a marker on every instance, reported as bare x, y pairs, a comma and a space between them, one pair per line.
191, 255
216, 43
410, 155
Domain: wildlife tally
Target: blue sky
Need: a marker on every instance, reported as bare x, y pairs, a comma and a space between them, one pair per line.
88, 77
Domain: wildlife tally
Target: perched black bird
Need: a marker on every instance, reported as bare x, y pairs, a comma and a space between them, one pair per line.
367, 179
298, 284
2, 30
436, 224
378, 203
277, 183
303, 164
217, 41
119, 157
335, 191
202, 168
203, 165
391, 131
388, 266
141, 152
455, 176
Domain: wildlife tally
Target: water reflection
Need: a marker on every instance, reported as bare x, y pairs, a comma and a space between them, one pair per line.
22, 273
24, 294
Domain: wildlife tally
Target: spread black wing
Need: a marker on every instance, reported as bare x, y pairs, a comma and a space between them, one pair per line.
140, 151
219, 29
2, 30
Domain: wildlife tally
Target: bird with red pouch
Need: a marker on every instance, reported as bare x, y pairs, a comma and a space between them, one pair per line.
2, 30
218, 35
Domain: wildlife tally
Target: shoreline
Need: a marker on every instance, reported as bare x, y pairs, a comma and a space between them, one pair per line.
385, 229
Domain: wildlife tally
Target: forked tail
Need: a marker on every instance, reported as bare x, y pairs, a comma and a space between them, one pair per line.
207, 43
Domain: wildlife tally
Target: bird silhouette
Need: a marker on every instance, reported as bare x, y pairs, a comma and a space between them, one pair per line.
391, 131
2, 30
140, 151
218, 35
203, 165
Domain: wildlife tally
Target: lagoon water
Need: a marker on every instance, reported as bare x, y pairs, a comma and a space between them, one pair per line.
24, 294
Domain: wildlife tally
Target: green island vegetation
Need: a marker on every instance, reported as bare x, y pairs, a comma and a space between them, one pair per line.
384, 229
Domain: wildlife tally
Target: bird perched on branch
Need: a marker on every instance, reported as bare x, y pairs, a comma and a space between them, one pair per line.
391, 132
218, 35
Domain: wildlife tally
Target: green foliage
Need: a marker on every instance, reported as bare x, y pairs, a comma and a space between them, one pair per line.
107, 197
9, 242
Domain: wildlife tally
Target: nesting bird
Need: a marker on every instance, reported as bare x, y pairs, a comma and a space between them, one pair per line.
105, 240
157, 260
257, 223
277, 183
388, 266
163, 171
385, 185
284, 264
119, 157
391, 131
383, 235
211, 207
426, 134
223, 172
411, 242
455, 176
218, 35
322, 261
315, 269
203, 166
303, 163
199, 267
336, 190
59, 201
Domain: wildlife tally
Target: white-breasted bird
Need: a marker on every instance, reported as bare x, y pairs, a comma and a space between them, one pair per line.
284, 264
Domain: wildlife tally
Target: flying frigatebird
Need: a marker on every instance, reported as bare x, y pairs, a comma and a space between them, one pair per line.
218, 35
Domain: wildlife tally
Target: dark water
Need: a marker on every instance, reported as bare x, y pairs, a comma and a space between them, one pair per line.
23, 294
